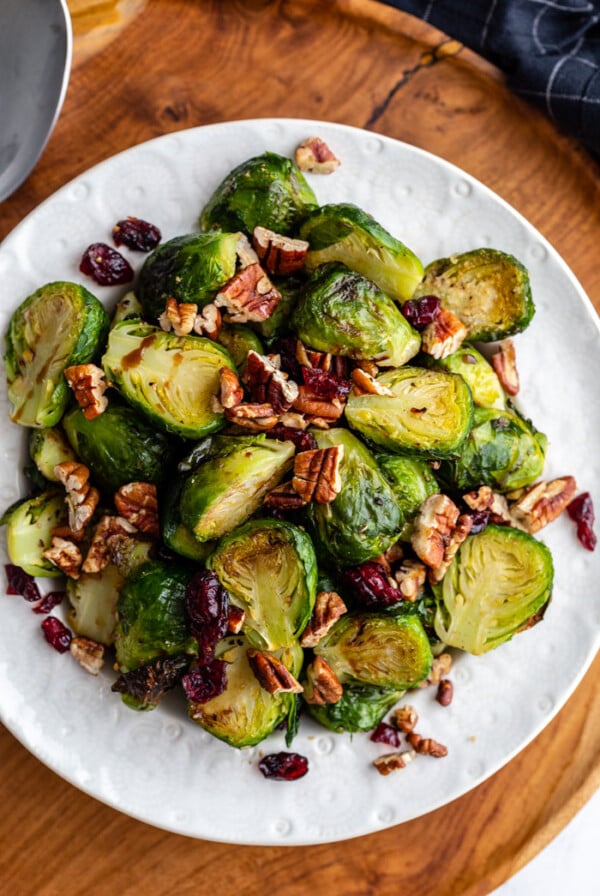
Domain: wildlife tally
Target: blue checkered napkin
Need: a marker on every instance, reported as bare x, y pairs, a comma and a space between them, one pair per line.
548, 49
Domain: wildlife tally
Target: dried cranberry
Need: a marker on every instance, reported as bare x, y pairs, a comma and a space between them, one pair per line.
205, 682
283, 766
49, 601
303, 441
480, 520
421, 312
20, 582
581, 509
325, 385
136, 234
105, 265
207, 604
285, 347
386, 734
370, 587
57, 635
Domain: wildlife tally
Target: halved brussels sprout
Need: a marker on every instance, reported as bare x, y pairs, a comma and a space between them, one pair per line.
190, 268
171, 379
29, 527
347, 234
152, 619
342, 312
365, 519
267, 190
175, 534
411, 479
499, 579
360, 708
487, 289
227, 489
245, 713
377, 649
239, 339
502, 450
270, 570
128, 307
428, 413
119, 446
59, 325
47, 448
479, 375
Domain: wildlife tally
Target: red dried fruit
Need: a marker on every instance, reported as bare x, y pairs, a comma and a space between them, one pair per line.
20, 582
49, 601
370, 587
205, 682
581, 509
105, 265
283, 766
421, 312
326, 385
56, 634
385, 734
303, 441
207, 605
136, 234
285, 347
480, 520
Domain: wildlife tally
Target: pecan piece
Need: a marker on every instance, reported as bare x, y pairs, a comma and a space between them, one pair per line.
426, 745
89, 654
328, 608
391, 762
364, 383
179, 317
307, 357
440, 668
504, 362
88, 385
315, 156
99, 552
265, 382
322, 684
137, 502
281, 255
481, 499
317, 474
405, 718
252, 416
235, 619
65, 555
444, 335
284, 497
231, 392
445, 692
208, 322
410, 578
313, 406
543, 503
461, 530
272, 675
248, 296
82, 499
433, 526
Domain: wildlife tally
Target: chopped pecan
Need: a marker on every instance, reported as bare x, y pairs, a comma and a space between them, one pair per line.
292, 420
231, 392
235, 619
64, 554
322, 684
365, 384
440, 668
328, 608
138, 503
307, 357
504, 362
405, 718
254, 417
265, 382
410, 578
444, 335
317, 474
315, 156
369, 367
459, 533
426, 745
179, 317
391, 762
272, 675
208, 322
445, 692
280, 255
543, 503
481, 499
245, 252
284, 497
81, 499
248, 296
99, 552
433, 527
88, 385
89, 654
310, 404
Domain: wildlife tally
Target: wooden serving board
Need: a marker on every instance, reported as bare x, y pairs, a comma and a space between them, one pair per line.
142, 69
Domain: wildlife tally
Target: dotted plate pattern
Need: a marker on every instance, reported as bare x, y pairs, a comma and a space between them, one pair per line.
161, 768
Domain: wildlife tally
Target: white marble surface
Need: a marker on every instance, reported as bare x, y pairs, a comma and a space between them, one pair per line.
570, 863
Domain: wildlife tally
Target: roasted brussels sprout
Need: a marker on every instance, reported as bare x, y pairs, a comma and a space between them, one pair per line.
128, 307
499, 579
411, 479
152, 620
245, 713
227, 489
479, 375
171, 379
268, 191
190, 268
361, 708
144, 687
342, 312
502, 450
239, 339
47, 448
119, 446
365, 518
175, 534
349, 235
270, 571
429, 412
29, 526
378, 649
59, 325
487, 289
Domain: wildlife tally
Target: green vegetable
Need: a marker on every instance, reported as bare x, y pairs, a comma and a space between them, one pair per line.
59, 325
487, 289
29, 527
411, 480
270, 570
268, 191
175, 534
171, 379
499, 579
479, 375
429, 412
239, 339
361, 708
342, 312
128, 307
349, 235
47, 448
227, 489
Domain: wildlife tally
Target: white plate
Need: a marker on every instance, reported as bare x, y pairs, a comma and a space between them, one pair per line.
158, 766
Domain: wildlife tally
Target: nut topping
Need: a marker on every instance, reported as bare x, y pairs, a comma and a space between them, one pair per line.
88, 385
410, 578
89, 654
440, 668
179, 317
248, 296
504, 362
317, 474
81, 499
280, 255
329, 607
433, 527
426, 745
310, 404
99, 553
284, 497
267, 383
254, 417
543, 503
322, 684
208, 322
444, 335
445, 692
366, 384
391, 762
64, 554
405, 718
315, 156
138, 503
231, 392
272, 675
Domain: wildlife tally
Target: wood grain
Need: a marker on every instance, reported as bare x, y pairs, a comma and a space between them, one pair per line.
180, 63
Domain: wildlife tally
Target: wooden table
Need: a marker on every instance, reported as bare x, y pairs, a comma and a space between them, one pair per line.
144, 69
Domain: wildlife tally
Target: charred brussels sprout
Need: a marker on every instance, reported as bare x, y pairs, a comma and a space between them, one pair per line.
347, 234
411, 479
119, 446
270, 571
59, 325
151, 613
238, 339
498, 581
502, 450
479, 375
245, 713
342, 312
47, 448
487, 289
190, 268
428, 412
171, 379
29, 526
377, 649
361, 708
227, 489
268, 190
364, 519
